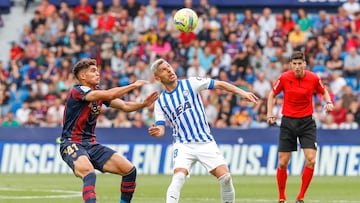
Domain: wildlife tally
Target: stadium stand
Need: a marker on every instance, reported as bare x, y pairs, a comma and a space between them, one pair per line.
227, 45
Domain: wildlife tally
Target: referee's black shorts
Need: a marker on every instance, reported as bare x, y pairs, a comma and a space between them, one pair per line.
293, 128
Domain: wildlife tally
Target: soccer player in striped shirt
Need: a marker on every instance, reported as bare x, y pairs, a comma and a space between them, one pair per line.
181, 105
79, 148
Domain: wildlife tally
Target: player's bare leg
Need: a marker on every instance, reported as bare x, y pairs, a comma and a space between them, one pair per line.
226, 186
118, 164
85, 170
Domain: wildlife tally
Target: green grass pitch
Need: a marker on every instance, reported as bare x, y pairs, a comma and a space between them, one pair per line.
27, 188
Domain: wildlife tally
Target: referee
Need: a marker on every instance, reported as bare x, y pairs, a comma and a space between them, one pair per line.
298, 86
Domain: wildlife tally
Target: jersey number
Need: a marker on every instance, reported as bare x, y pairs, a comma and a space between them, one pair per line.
71, 149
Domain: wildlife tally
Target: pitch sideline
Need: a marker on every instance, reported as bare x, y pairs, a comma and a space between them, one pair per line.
68, 194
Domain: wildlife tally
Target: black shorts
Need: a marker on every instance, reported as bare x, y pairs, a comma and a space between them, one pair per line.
97, 153
293, 128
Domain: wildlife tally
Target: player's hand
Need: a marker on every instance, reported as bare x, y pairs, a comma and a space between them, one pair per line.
271, 120
251, 97
140, 83
154, 130
329, 107
151, 98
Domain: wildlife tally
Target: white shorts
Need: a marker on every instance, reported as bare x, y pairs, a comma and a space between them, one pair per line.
208, 154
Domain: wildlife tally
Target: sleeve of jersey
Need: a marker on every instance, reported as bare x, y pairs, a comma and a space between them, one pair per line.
159, 114
320, 88
79, 92
199, 84
278, 86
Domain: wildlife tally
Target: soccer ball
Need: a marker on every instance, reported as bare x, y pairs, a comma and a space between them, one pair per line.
185, 20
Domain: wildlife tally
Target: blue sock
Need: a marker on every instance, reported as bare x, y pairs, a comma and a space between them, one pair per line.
89, 194
128, 185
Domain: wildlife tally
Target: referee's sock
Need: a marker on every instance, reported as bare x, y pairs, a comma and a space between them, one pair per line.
88, 192
306, 179
281, 177
128, 185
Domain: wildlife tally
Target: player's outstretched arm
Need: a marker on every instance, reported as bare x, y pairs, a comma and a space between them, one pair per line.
329, 105
157, 131
231, 88
133, 106
270, 105
113, 93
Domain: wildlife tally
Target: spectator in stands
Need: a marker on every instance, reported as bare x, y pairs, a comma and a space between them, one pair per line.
64, 12
54, 23
22, 114
355, 110
249, 19
4, 99
261, 86
116, 9
215, 22
103, 122
352, 65
351, 7
161, 47
297, 37
121, 121
339, 112
267, 21
278, 33
10, 121
337, 82
142, 22
349, 123
342, 21
288, 22
83, 11
320, 23
273, 69
46, 9
334, 63
56, 111
35, 22
303, 21
151, 11
329, 123
257, 37
355, 24
133, 7
348, 96
195, 69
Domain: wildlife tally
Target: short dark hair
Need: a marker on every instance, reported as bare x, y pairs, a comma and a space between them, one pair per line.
83, 64
297, 55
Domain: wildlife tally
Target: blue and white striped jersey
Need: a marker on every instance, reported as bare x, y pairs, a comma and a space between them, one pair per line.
184, 110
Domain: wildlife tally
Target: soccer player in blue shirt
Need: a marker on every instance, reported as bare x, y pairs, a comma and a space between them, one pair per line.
181, 105
78, 147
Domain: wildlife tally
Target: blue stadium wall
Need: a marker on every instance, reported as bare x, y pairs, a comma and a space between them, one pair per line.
248, 152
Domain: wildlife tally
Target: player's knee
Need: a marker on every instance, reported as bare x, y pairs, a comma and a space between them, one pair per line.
128, 183
310, 163
225, 179
131, 175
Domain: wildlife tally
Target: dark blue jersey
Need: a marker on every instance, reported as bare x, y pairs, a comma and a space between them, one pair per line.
80, 116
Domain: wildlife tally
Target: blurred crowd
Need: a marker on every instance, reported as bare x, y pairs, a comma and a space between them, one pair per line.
247, 49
